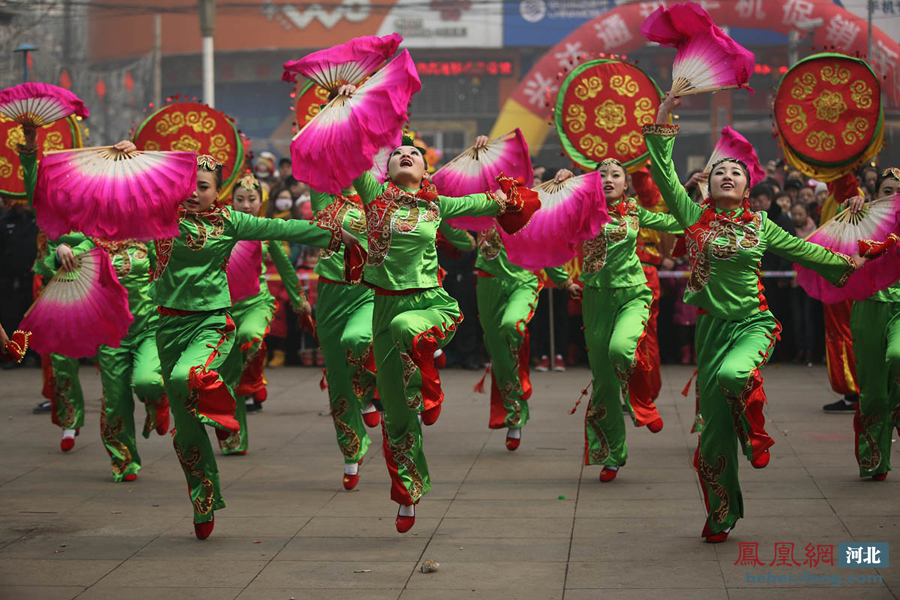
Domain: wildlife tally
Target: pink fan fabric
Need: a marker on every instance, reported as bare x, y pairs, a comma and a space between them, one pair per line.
341, 141
875, 275
732, 144
690, 29
40, 104
80, 190
357, 58
568, 216
244, 269
79, 327
509, 157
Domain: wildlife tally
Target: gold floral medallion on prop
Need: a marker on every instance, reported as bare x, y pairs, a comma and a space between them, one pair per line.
63, 134
195, 127
829, 116
600, 109
308, 100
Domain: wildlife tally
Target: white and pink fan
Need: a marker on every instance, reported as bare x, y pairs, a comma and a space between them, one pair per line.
38, 104
876, 221
349, 63
80, 311
571, 212
379, 168
475, 172
341, 141
707, 60
731, 144
244, 269
115, 195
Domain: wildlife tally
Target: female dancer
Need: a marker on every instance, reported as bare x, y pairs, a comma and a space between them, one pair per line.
616, 308
412, 315
196, 332
344, 318
134, 365
253, 315
875, 325
507, 298
63, 387
735, 330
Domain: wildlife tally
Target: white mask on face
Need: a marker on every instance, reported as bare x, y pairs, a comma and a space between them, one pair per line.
283, 204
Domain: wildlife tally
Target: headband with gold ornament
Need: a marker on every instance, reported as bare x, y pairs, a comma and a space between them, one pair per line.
208, 163
893, 172
609, 161
249, 183
734, 160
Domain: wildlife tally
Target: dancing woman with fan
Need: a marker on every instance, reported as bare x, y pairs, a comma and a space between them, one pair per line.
133, 367
196, 332
413, 316
253, 314
616, 307
735, 330
507, 296
875, 325
64, 389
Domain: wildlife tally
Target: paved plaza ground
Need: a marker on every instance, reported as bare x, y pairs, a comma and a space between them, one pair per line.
529, 525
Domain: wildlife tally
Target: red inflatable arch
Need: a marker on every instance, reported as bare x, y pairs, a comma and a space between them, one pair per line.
618, 31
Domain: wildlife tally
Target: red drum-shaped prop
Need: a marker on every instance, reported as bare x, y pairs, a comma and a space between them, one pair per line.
600, 109
63, 134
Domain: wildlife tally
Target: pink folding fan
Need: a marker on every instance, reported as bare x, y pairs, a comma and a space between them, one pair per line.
244, 269
38, 104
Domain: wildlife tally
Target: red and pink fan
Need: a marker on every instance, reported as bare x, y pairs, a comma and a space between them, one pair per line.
341, 141
707, 60
115, 195
244, 269
476, 171
876, 221
571, 212
38, 104
379, 168
350, 63
731, 144
80, 311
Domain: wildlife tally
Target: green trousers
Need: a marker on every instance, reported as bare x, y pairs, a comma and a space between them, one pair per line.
344, 323
407, 330
67, 403
614, 321
251, 318
505, 307
129, 370
196, 360
876, 343
729, 357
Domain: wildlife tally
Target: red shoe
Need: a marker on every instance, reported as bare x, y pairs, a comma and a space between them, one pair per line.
372, 419
430, 416
440, 361
67, 444
202, 530
241, 453
222, 434
717, 538
162, 416
559, 364
544, 365
130, 477
512, 444
880, 477
655, 426
607, 475
350, 481
261, 395
404, 524
761, 461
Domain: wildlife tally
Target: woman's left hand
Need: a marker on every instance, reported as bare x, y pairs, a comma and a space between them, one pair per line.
562, 175
855, 204
126, 146
66, 258
574, 290
859, 260
481, 142
306, 308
